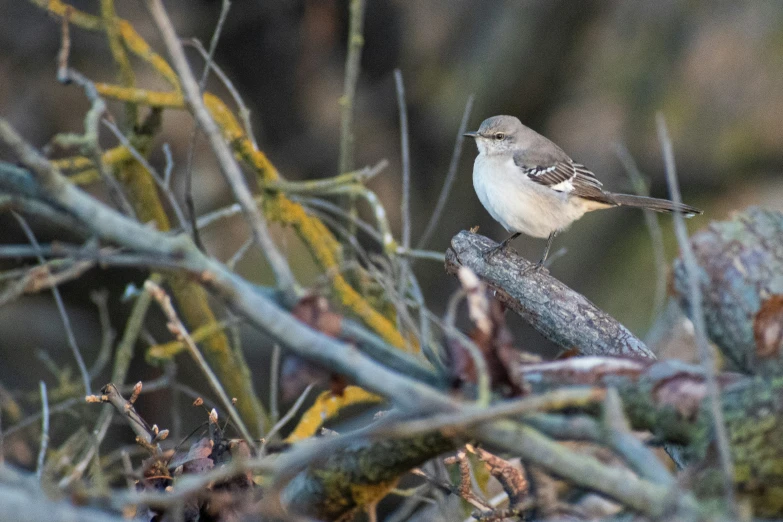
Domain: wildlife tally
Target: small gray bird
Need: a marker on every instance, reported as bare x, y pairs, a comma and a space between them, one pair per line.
530, 186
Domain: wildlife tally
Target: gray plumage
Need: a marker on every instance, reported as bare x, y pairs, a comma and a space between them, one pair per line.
531, 186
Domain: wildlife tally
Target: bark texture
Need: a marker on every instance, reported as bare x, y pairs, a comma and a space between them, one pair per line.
556, 311
741, 274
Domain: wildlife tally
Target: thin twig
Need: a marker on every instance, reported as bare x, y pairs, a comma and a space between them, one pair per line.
451, 175
101, 298
98, 434
160, 181
405, 203
77, 354
468, 416
189, 203
451, 489
274, 383
697, 316
244, 112
425, 333
286, 418
224, 8
228, 165
653, 227
176, 326
328, 206
169, 165
483, 383
239, 254
127, 467
352, 65
44, 431
89, 142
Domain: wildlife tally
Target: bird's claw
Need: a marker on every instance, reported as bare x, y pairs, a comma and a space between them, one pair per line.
489, 254
538, 267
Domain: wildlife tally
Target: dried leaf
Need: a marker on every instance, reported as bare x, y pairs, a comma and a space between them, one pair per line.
298, 373
768, 328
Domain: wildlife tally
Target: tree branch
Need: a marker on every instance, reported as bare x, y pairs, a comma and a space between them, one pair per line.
557, 312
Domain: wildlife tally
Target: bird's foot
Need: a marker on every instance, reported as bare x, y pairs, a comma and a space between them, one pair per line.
489, 254
534, 268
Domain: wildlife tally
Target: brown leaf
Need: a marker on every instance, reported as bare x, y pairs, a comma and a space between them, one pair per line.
496, 344
197, 459
314, 311
768, 328
298, 373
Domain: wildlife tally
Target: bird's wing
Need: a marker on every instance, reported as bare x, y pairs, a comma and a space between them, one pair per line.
567, 177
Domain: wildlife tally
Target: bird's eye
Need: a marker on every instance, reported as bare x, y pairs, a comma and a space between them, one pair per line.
500, 136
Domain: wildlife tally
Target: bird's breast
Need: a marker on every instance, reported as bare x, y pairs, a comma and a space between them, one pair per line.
518, 203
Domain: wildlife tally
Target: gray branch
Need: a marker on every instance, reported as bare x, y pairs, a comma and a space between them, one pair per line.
556, 311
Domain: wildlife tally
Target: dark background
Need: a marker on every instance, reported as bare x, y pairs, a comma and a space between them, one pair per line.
587, 74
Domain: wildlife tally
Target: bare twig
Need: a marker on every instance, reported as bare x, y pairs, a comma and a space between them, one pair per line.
228, 165
160, 181
77, 354
127, 467
239, 254
470, 416
697, 316
89, 141
287, 417
405, 203
179, 330
352, 64
44, 431
68, 404
101, 298
653, 227
465, 487
274, 383
110, 394
470, 287
425, 334
451, 489
244, 112
451, 175
511, 478
619, 484
225, 6
167, 171
318, 203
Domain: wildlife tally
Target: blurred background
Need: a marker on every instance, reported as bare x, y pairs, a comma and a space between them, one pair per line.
589, 75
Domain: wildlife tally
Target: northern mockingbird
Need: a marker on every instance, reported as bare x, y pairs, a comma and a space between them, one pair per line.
530, 186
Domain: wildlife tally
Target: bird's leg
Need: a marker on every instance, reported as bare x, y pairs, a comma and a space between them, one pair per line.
538, 266
495, 249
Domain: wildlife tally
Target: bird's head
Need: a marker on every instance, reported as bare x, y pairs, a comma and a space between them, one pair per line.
501, 134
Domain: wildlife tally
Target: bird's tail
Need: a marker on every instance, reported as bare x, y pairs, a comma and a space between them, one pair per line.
658, 205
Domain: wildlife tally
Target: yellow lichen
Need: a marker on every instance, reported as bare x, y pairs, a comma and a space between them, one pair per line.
327, 406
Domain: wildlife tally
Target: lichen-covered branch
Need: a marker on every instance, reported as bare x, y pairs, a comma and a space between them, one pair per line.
560, 314
358, 474
741, 262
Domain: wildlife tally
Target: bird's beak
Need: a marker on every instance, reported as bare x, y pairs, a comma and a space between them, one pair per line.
471, 134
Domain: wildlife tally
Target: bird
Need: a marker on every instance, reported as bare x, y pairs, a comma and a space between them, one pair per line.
531, 186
